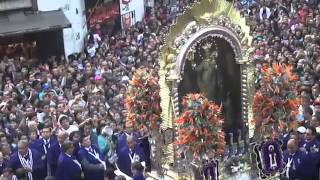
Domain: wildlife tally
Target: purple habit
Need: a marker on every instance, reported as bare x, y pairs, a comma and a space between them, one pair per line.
210, 170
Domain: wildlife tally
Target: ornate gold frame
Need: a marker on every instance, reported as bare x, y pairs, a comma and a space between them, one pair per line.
215, 18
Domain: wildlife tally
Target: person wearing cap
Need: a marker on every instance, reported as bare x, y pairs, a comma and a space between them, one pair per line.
299, 136
301, 130
292, 158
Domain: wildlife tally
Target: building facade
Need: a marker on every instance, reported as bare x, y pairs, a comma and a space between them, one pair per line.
74, 10
56, 26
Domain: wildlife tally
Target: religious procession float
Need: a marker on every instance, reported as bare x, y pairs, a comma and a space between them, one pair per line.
208, 115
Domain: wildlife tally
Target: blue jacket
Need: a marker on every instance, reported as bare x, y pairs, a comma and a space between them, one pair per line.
138, 176
312, 146
40, 146
91, 166
53, 157
297, 159
38, 173
67, 168
309, 167
124, 160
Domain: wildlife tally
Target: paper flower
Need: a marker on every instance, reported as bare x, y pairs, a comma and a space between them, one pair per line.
143, 100
275, 103
200, 126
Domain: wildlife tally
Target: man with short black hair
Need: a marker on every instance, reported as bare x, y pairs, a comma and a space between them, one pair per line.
91, 159
68, 167
311, 145
43, 145
55, 150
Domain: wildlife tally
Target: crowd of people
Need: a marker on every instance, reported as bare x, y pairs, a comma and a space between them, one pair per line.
64, 118
286, 32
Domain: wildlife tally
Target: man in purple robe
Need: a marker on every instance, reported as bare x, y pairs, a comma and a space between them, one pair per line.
91, 159
312, 145
293, 158
128, 154
27, 163
43, 145
69, 168
210, 170
55, 150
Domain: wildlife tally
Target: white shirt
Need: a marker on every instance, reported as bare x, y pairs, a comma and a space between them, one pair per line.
91, 51
72, 128
40, 117
96, 40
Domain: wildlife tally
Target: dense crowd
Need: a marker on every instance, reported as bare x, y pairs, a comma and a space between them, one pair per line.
287, 32
75, 106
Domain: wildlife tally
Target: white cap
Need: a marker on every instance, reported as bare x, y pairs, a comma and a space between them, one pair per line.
302, 129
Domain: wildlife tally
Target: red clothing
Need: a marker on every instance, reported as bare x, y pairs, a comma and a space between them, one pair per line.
302, 16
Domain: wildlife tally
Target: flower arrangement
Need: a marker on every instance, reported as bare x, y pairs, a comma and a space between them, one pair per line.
276, 104
200, 127
143, 100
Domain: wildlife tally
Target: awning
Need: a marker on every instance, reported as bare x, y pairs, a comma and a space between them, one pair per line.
15, 23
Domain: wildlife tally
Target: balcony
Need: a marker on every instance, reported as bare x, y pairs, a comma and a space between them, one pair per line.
6, 5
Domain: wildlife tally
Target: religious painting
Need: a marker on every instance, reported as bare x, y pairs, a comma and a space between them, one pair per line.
269, 159
211, 70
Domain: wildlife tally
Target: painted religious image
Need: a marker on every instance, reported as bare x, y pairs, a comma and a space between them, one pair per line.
269, 159
211, 70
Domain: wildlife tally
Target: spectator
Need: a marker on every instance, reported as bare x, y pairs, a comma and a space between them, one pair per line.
8, 174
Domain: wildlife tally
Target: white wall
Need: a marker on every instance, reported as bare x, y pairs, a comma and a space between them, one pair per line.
6, 5
134, 5
74, 10
45, 5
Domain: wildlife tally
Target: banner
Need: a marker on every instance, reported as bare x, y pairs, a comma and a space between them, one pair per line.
128, 20
149, 3
104, 14
135, 7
